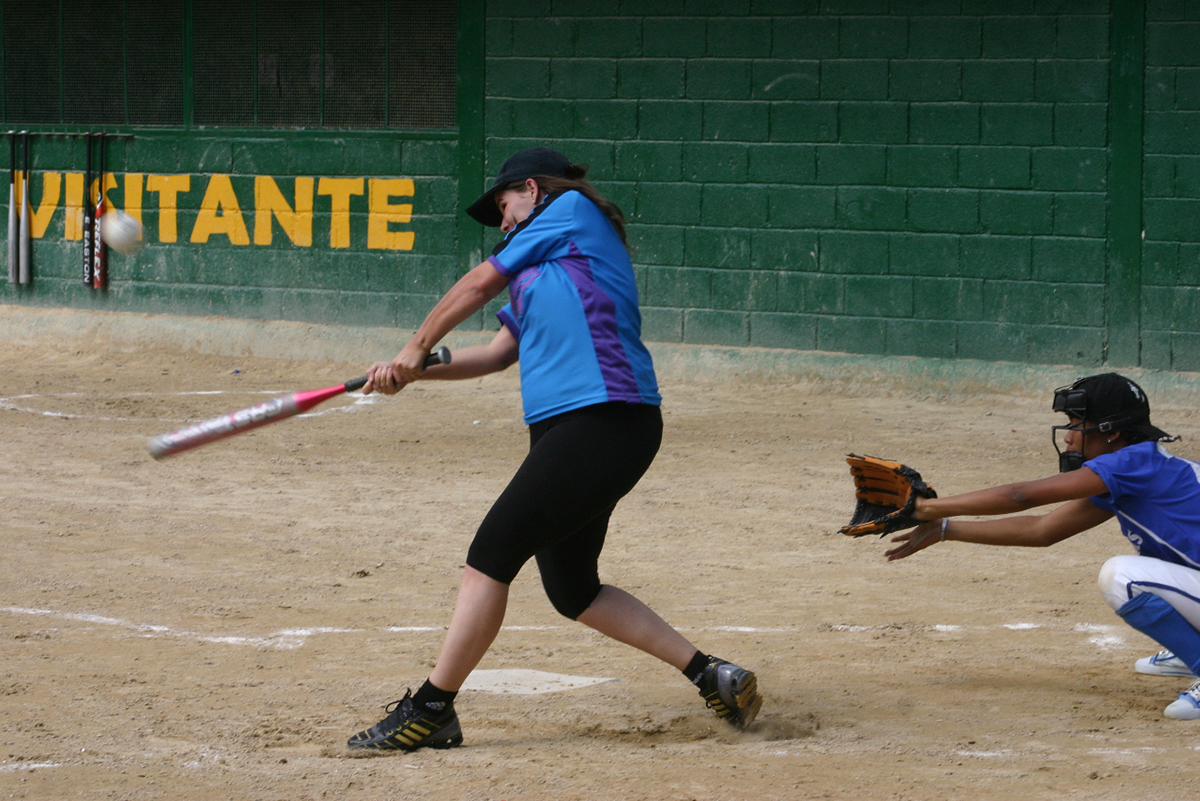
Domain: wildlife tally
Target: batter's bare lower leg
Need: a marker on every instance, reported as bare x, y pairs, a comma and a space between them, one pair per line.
623, 617
478, 614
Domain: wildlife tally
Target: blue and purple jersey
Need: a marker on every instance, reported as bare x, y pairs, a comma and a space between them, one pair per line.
573, 308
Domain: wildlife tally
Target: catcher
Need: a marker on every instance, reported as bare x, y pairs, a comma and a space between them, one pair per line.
1112, 463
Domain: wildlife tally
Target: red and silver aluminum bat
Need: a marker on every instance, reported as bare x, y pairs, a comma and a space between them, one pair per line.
88, 278
14, 225
260, 415
99, 249
24, 276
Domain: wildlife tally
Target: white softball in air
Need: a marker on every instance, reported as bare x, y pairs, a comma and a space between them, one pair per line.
121, 232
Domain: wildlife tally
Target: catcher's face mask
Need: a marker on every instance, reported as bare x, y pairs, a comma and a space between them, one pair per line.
1072, 401
1071, 460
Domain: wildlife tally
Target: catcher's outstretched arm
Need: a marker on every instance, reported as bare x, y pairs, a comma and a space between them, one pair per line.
1010, 498
1030, 531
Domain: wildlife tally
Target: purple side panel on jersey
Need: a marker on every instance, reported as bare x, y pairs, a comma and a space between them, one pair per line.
601, 314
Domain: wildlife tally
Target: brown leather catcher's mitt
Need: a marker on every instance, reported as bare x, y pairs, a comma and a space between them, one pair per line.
887, 495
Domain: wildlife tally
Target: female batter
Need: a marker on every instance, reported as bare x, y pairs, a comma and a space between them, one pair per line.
1112, 463
591, 401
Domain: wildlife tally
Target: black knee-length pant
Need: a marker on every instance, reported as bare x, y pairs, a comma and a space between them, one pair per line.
556, 507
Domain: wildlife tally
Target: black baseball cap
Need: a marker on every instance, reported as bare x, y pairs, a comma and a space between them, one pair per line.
1111, 402
518, 167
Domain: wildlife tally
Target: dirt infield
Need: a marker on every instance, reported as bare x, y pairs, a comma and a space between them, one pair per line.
214, 626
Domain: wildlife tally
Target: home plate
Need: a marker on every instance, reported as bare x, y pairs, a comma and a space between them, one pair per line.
519, 681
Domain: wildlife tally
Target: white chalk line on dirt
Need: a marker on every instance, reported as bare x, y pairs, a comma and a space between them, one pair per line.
9, 404
1017, 753
515, 681
288, 638
19, 766
1105, 636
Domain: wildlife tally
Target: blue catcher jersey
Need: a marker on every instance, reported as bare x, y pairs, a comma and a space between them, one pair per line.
1156, 498
573, 308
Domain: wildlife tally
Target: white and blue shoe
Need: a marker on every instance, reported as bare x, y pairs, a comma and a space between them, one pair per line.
1164, 663
1187, 705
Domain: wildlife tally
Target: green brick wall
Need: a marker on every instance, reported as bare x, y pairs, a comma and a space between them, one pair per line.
1170, 302
907, 178
940, 178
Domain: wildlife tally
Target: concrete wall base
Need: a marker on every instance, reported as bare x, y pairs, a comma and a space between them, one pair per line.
856, 374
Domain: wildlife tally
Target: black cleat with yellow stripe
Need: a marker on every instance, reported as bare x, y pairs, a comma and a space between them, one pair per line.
730, 691
407, 728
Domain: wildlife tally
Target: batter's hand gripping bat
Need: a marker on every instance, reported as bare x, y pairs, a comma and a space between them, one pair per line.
260, 415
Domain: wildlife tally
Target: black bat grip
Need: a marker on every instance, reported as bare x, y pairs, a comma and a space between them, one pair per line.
439, 356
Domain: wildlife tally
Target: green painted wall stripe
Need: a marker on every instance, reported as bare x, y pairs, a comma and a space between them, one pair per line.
61, 66
188, 53
1127, 32
3, 58
124, 58
470, 112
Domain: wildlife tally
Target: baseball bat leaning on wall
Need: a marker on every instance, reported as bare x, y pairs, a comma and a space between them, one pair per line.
26, 212
86, 211
261, 414
99, 251
14, 227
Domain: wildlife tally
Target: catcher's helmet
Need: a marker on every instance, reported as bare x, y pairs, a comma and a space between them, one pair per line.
1110, 403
